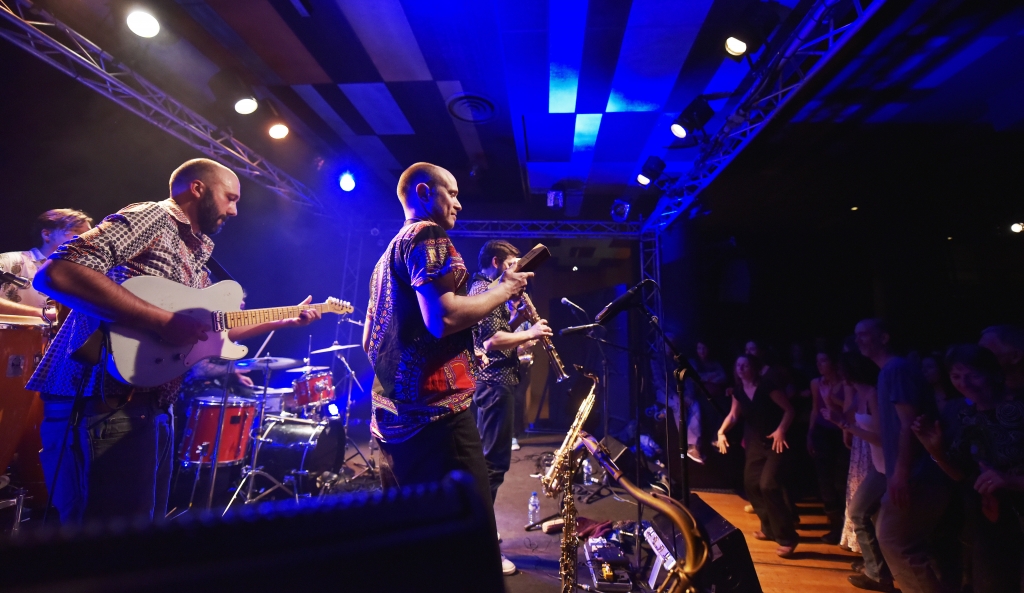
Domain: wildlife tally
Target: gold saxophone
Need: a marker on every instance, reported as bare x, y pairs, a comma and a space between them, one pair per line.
556, 363
680, 576
553, 479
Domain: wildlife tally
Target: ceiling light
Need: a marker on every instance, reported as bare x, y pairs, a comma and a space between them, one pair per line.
143, 24
278, 131
651, 171
347, 181
735, 47
854, 209
246, 105
1017, 227
575, 269
620, 209
693, 116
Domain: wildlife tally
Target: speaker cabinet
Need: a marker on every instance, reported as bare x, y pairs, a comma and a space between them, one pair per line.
729, 568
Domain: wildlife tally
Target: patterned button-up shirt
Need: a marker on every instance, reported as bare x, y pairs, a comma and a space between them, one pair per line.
501, 366
419, 378
150, 238
22, 263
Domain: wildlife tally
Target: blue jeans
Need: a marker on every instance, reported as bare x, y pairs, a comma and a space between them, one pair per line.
115, 463
495, 419
863, 507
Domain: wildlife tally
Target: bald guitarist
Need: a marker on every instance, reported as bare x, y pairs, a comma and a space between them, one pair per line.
115, 445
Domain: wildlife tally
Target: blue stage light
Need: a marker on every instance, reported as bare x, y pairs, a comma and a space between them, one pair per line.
347, 181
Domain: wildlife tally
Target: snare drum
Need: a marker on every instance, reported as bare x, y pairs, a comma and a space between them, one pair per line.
22, 343
201, 430
301, 448
310, 390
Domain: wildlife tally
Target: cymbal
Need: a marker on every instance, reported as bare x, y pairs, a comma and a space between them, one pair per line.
307, 369
273, 363
334, 347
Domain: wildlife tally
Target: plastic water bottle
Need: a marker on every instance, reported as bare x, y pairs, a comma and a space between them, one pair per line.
588, 473
533, 511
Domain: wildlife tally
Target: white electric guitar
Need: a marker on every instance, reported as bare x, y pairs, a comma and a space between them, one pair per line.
141, 359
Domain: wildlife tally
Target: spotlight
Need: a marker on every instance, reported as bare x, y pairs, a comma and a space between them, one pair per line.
143, 24
651, 170
693, 117
735, 47
853, 209
246, 105
1017, 227
620, 210
347, 181
575, 269
332, 409
278, 131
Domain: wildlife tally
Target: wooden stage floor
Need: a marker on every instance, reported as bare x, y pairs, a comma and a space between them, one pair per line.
816, 566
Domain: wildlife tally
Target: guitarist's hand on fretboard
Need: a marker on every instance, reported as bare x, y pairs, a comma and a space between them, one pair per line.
306, 317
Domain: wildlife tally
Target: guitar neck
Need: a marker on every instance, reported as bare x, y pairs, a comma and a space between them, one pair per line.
234, 319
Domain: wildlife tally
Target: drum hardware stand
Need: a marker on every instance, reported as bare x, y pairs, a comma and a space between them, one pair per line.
220, 431
18, 502
368, 465
251, 471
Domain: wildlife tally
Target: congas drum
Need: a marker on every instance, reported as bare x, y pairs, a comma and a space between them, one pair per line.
22, 343
301, 448
310, 390
201, 430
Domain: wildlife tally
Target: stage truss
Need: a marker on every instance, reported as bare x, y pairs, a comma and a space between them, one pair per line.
769, 86
42, 35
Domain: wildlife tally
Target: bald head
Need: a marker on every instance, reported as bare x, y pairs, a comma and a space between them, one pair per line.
429, 192
416, 174
204, 170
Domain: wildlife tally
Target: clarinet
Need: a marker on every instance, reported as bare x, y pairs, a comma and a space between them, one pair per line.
556, 363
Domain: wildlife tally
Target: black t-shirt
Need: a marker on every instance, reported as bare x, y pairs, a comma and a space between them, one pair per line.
760, 414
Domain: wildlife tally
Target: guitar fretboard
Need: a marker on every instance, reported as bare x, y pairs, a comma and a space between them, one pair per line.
257, 316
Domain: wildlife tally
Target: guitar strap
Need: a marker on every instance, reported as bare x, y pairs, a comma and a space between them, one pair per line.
218, 270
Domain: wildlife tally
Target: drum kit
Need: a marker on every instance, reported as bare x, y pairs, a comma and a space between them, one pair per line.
291, 440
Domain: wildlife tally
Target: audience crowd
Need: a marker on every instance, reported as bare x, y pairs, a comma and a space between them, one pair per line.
918, 457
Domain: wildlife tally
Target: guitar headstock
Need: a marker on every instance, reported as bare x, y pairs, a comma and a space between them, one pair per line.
338, 306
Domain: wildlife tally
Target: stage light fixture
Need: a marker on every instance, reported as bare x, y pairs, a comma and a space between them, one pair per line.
651, 171
575, 269
347, 181
693, 117
735, 47
854, 209
246, 105
143, 24
620, 210
278, 131
1017, 227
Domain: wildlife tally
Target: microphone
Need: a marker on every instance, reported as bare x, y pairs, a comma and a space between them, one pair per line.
577, 329
569, 303
9, 278
621, 303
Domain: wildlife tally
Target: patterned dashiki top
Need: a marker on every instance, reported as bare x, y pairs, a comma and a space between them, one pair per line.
150, 238
25, 264
419, 379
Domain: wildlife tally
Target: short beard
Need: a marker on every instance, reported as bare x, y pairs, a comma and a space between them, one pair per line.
209, 222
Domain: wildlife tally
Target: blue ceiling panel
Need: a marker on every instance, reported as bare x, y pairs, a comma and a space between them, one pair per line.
330, 39
341, 105
549, 136
435, 139
606, 24
623, 136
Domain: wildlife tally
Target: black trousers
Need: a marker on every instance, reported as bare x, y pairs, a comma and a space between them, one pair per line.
495, 418
763, 477
831, 464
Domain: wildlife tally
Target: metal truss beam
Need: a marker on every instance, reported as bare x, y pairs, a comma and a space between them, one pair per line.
547, 229
770, 85
650, 269
39, 33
